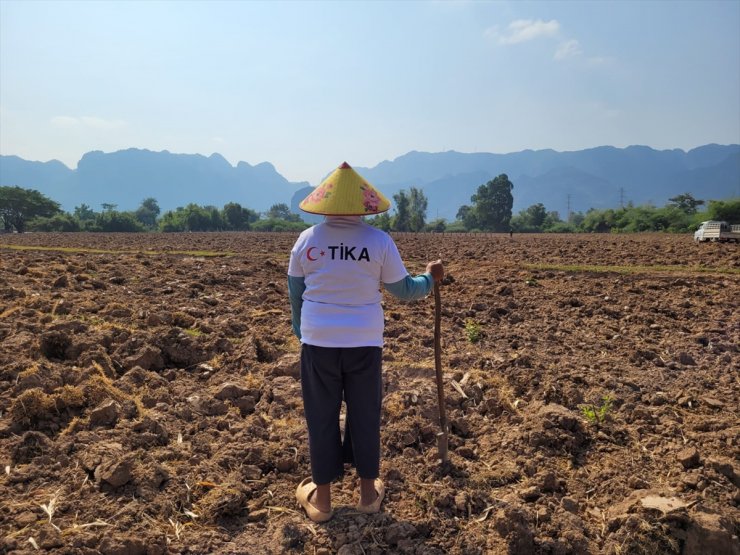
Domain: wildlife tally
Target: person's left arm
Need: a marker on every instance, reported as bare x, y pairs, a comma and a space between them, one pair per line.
399, 283
411, 288
296, 287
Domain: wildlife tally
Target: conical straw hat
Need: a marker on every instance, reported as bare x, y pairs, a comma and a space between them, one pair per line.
345, 193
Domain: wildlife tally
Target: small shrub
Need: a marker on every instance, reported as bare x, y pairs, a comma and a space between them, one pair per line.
596, 415
472, 330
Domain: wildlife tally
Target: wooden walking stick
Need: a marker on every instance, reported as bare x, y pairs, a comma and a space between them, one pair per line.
442, 435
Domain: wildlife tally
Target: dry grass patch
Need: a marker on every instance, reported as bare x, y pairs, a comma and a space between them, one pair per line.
226, 499
99, 387
285, 422
32, 405
30, 371
10, 311
252, 381
217, 361
394, 405
70, 397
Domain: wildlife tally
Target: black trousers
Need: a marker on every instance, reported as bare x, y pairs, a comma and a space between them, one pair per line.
329, 374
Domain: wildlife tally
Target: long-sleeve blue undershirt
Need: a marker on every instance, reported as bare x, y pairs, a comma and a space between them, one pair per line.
411, 288
296, 287
407, 289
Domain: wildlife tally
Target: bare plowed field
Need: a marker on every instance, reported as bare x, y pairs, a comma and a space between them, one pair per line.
150, 399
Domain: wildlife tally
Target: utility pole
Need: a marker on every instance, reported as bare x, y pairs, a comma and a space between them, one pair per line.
621, 197
569, 212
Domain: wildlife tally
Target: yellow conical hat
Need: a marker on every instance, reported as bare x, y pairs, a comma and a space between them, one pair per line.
345, 193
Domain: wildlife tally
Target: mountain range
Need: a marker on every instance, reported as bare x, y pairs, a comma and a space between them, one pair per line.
600, 177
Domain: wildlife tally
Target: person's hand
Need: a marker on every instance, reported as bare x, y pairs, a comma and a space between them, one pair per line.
436, 269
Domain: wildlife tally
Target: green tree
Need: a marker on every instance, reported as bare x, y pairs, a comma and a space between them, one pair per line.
492, 204
189, 218
172, 221
274, 224
638, 219
147, 213
686, 203
552, 219
455, 227
673, 219
108, 207
466, 215
724, 210
520, 222
196, 218
216, 222
114, 221
18, 205
402, 219
238, 218
282, 212
531, 219
598, 221
84, 213
58, 222
417, 209
537, 215
381, 221
576, 219
562, 227
436, 226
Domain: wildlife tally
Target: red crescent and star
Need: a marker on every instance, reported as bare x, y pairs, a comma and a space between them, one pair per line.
308, 254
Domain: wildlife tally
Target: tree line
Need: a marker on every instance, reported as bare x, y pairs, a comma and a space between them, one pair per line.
490, 210
680, 215
28, 210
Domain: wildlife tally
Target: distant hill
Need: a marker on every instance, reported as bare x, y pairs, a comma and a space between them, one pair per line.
127, 177
599, 177
51, 178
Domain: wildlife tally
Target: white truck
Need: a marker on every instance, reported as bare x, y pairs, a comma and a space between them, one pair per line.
717, 232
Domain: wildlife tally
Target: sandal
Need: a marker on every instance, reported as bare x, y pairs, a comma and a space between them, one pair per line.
303, 493
374, 507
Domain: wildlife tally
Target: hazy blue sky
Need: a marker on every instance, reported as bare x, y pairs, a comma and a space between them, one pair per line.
306, 85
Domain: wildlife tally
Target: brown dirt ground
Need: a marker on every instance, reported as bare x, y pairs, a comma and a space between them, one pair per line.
150, 402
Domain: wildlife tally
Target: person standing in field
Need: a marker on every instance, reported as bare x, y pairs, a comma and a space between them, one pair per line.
334, 276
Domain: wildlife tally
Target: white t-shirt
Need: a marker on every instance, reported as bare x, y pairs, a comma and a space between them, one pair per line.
343, 260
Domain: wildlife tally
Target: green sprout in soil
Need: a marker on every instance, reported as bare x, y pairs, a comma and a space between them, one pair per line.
596, 415
472, 330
